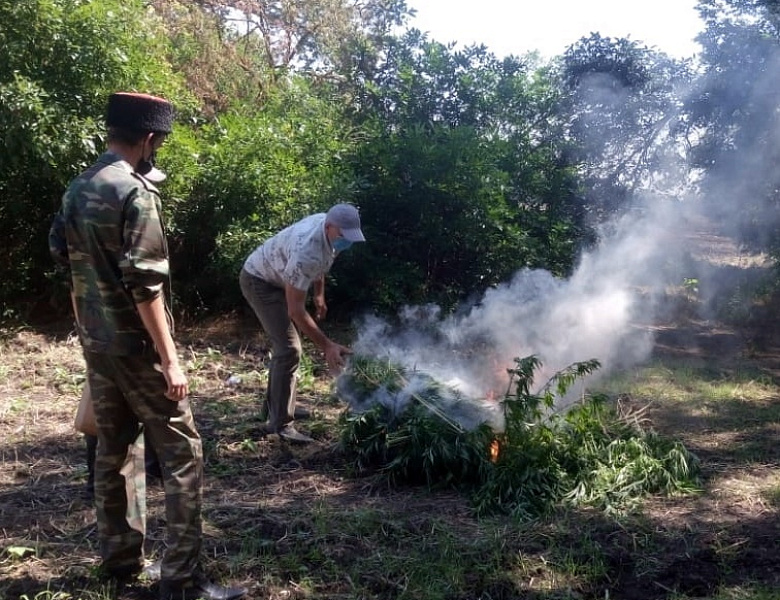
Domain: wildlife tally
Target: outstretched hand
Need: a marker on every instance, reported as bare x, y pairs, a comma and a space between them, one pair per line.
335, 356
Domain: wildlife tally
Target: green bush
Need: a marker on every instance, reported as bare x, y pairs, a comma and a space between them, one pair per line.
61, 60
414, 436
257, 171
462, 179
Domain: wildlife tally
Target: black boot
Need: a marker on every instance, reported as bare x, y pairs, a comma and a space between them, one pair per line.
89, 492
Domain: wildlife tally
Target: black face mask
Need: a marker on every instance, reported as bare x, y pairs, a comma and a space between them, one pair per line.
145, 166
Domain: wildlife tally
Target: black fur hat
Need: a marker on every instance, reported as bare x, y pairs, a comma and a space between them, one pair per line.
139, 112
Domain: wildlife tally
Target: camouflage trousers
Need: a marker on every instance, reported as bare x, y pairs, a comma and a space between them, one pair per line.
130, 405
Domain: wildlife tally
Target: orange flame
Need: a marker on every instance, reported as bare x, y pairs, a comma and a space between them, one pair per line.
495, 448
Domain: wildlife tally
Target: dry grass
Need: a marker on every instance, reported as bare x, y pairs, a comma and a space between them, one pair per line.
290, 522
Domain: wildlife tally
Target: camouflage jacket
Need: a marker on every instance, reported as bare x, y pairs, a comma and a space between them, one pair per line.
109, 236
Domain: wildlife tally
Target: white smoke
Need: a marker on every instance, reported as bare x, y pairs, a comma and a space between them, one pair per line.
600, 312
607, 308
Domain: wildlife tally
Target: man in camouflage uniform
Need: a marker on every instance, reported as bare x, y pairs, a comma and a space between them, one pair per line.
109, 235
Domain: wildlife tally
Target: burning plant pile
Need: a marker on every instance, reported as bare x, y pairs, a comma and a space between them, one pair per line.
517, 456
412, 427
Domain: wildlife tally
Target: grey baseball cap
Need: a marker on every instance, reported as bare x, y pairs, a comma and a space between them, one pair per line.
346, 217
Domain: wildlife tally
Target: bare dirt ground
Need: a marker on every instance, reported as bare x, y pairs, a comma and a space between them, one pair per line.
730, 535
265, 501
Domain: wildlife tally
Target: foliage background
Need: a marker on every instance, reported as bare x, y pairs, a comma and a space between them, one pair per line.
466, 166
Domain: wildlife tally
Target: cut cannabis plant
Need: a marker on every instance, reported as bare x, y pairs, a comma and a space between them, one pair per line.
410, 428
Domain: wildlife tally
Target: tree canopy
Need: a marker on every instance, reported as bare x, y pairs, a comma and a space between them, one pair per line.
467, 166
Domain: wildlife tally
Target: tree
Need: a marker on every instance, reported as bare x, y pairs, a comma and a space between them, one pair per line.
460, 181
61, 59
312, 36
734, 112
623, 102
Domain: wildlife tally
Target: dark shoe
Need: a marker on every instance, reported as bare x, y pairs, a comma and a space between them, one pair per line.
302, 413
262, 430
198, 588
292, 435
